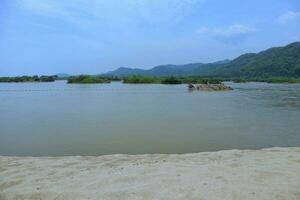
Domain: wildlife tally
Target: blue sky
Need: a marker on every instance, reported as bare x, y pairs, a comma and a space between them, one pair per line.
94, 36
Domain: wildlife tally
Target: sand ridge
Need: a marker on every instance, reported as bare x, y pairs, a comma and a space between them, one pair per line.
232, 174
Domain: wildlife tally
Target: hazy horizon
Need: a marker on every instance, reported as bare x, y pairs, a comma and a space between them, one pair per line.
92, 37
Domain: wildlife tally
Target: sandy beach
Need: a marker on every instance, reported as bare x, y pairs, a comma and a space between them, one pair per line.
233, 174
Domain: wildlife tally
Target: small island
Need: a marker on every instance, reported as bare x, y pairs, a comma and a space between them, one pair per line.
209, 87
87, 79
21, 79
139, 79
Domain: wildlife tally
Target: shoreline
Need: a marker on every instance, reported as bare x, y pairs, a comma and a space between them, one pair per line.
272, 173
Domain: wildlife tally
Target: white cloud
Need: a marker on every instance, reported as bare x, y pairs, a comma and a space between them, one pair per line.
203, 29
229, 31
75, 12
154, 11
231, 34
40, 7
233, 30
288, 17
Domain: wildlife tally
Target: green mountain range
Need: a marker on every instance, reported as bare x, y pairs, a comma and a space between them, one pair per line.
273, 62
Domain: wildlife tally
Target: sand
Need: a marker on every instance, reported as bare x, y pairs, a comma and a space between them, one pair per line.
234, 174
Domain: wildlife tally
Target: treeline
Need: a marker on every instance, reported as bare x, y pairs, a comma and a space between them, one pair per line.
135, 79
139, 79
36, 78
87, 79
267, 80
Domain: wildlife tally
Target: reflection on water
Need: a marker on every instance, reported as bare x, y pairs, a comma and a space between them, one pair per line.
62, 119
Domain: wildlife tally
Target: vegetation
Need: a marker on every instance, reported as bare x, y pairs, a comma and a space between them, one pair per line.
136, 79
200, 80
171, 80
268, 80
140, 79
240, 80
111, 78
18, 79
86, 79
281, 80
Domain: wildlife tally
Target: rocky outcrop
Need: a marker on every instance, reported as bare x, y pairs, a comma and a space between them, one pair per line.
209, 87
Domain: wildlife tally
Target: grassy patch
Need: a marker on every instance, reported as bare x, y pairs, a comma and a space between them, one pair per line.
86, 79
20, 79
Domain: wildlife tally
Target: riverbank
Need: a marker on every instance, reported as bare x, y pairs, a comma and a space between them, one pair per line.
233, 174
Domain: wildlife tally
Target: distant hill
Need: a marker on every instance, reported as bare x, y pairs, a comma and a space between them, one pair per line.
125, 71
273, 62
165, 70
62, 75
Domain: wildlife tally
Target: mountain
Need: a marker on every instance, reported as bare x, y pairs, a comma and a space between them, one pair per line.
62, 75
165, 70
174, 70
125, 71
273, 62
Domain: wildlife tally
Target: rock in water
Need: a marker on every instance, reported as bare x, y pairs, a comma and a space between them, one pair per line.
191, 86
210, 87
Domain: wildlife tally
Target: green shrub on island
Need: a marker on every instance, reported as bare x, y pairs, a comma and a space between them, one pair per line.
268, 80
281, 80
240, 80
47, 78
86, 79
136, 79
171, 80
111, 78
19, 79
200, 80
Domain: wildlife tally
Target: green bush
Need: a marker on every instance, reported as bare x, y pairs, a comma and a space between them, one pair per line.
35, 78
240, 80
282, 80
135, 79
86, 79
200, 80
171, 80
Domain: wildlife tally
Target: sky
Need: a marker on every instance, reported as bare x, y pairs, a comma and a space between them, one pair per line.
95, 36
